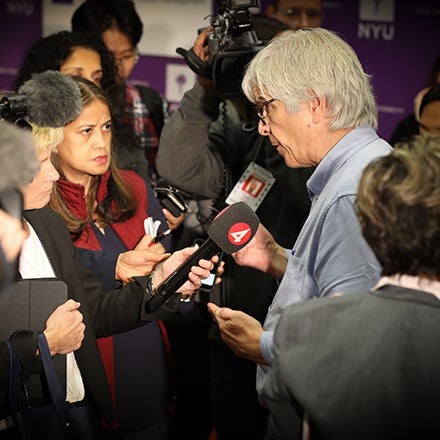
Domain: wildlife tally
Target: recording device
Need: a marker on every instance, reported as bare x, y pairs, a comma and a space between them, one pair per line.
49, 99
230, 231
231, 46
170, 198
209, 283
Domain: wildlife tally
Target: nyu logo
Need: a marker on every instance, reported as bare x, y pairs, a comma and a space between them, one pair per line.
381, 12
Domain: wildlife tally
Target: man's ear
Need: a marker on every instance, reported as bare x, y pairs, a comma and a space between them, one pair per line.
318, 108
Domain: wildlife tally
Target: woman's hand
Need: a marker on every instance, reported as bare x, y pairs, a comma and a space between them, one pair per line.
138, 262
198, 272
65, 328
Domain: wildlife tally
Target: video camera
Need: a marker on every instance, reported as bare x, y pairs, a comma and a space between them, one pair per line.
231, 46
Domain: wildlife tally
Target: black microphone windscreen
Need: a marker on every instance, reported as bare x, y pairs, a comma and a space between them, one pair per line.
18, 159
53, 99
234, 227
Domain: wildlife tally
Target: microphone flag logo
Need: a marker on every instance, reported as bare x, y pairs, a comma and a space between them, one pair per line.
239, 233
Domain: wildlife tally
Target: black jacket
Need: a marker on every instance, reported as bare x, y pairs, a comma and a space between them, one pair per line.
362, 366
101, 310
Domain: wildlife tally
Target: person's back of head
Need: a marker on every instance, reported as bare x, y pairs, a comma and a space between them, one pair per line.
49, 53
398, 205
314, 63
98, 16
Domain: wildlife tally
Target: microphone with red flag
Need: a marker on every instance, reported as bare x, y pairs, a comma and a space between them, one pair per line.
230, 231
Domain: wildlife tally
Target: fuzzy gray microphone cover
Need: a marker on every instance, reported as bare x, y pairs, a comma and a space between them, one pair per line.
53, 99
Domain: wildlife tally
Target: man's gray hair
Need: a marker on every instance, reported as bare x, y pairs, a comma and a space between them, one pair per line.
307, 63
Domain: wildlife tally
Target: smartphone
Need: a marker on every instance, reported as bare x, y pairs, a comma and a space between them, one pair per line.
209, 283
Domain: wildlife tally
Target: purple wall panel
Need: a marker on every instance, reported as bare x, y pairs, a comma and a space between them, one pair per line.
397, 46
20, 25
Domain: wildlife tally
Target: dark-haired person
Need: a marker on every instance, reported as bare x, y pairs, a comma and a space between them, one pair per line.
410, 124
296, 13
91, 312
140, 108
364, 365
66, 52
429, 118
83, 54
105, 209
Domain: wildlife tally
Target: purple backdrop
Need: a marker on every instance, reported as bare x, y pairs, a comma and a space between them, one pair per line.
397, 44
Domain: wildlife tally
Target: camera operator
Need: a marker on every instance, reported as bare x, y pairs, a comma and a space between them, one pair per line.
296, 13
217, 153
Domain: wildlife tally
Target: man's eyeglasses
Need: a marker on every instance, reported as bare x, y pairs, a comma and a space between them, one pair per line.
260, 107
127, 56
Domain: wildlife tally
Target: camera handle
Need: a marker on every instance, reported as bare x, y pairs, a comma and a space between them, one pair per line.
195, 63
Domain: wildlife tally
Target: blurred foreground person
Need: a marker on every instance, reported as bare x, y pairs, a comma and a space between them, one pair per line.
365, 366
18, 165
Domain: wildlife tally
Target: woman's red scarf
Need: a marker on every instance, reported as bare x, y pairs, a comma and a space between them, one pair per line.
130, 231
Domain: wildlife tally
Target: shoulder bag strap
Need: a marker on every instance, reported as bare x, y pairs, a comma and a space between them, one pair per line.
53, 381
14, 378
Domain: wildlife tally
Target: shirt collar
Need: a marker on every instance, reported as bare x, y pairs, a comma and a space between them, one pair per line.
350, 144
411, 282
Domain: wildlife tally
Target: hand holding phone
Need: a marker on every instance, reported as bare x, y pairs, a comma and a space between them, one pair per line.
209, 283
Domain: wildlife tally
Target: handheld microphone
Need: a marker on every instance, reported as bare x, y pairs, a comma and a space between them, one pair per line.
230, 231
49, 99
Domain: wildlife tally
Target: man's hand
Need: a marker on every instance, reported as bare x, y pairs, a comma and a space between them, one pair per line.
200, 46
138, 262
241, 332
263, 253
65, 328
173, 222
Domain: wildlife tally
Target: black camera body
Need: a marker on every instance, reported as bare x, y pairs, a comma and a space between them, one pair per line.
170, 198
231, 46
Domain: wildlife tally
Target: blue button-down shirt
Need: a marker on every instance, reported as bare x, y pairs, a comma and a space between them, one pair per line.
330, 255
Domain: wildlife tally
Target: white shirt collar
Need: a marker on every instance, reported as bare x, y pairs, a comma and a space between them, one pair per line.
411, 282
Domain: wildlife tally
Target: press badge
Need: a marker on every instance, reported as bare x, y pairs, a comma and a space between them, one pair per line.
253, 186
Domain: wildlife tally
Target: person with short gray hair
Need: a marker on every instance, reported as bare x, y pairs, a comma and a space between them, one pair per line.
364, 366
316, 106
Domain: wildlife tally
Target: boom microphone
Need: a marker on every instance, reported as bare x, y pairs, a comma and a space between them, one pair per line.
230, 231
49, 99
